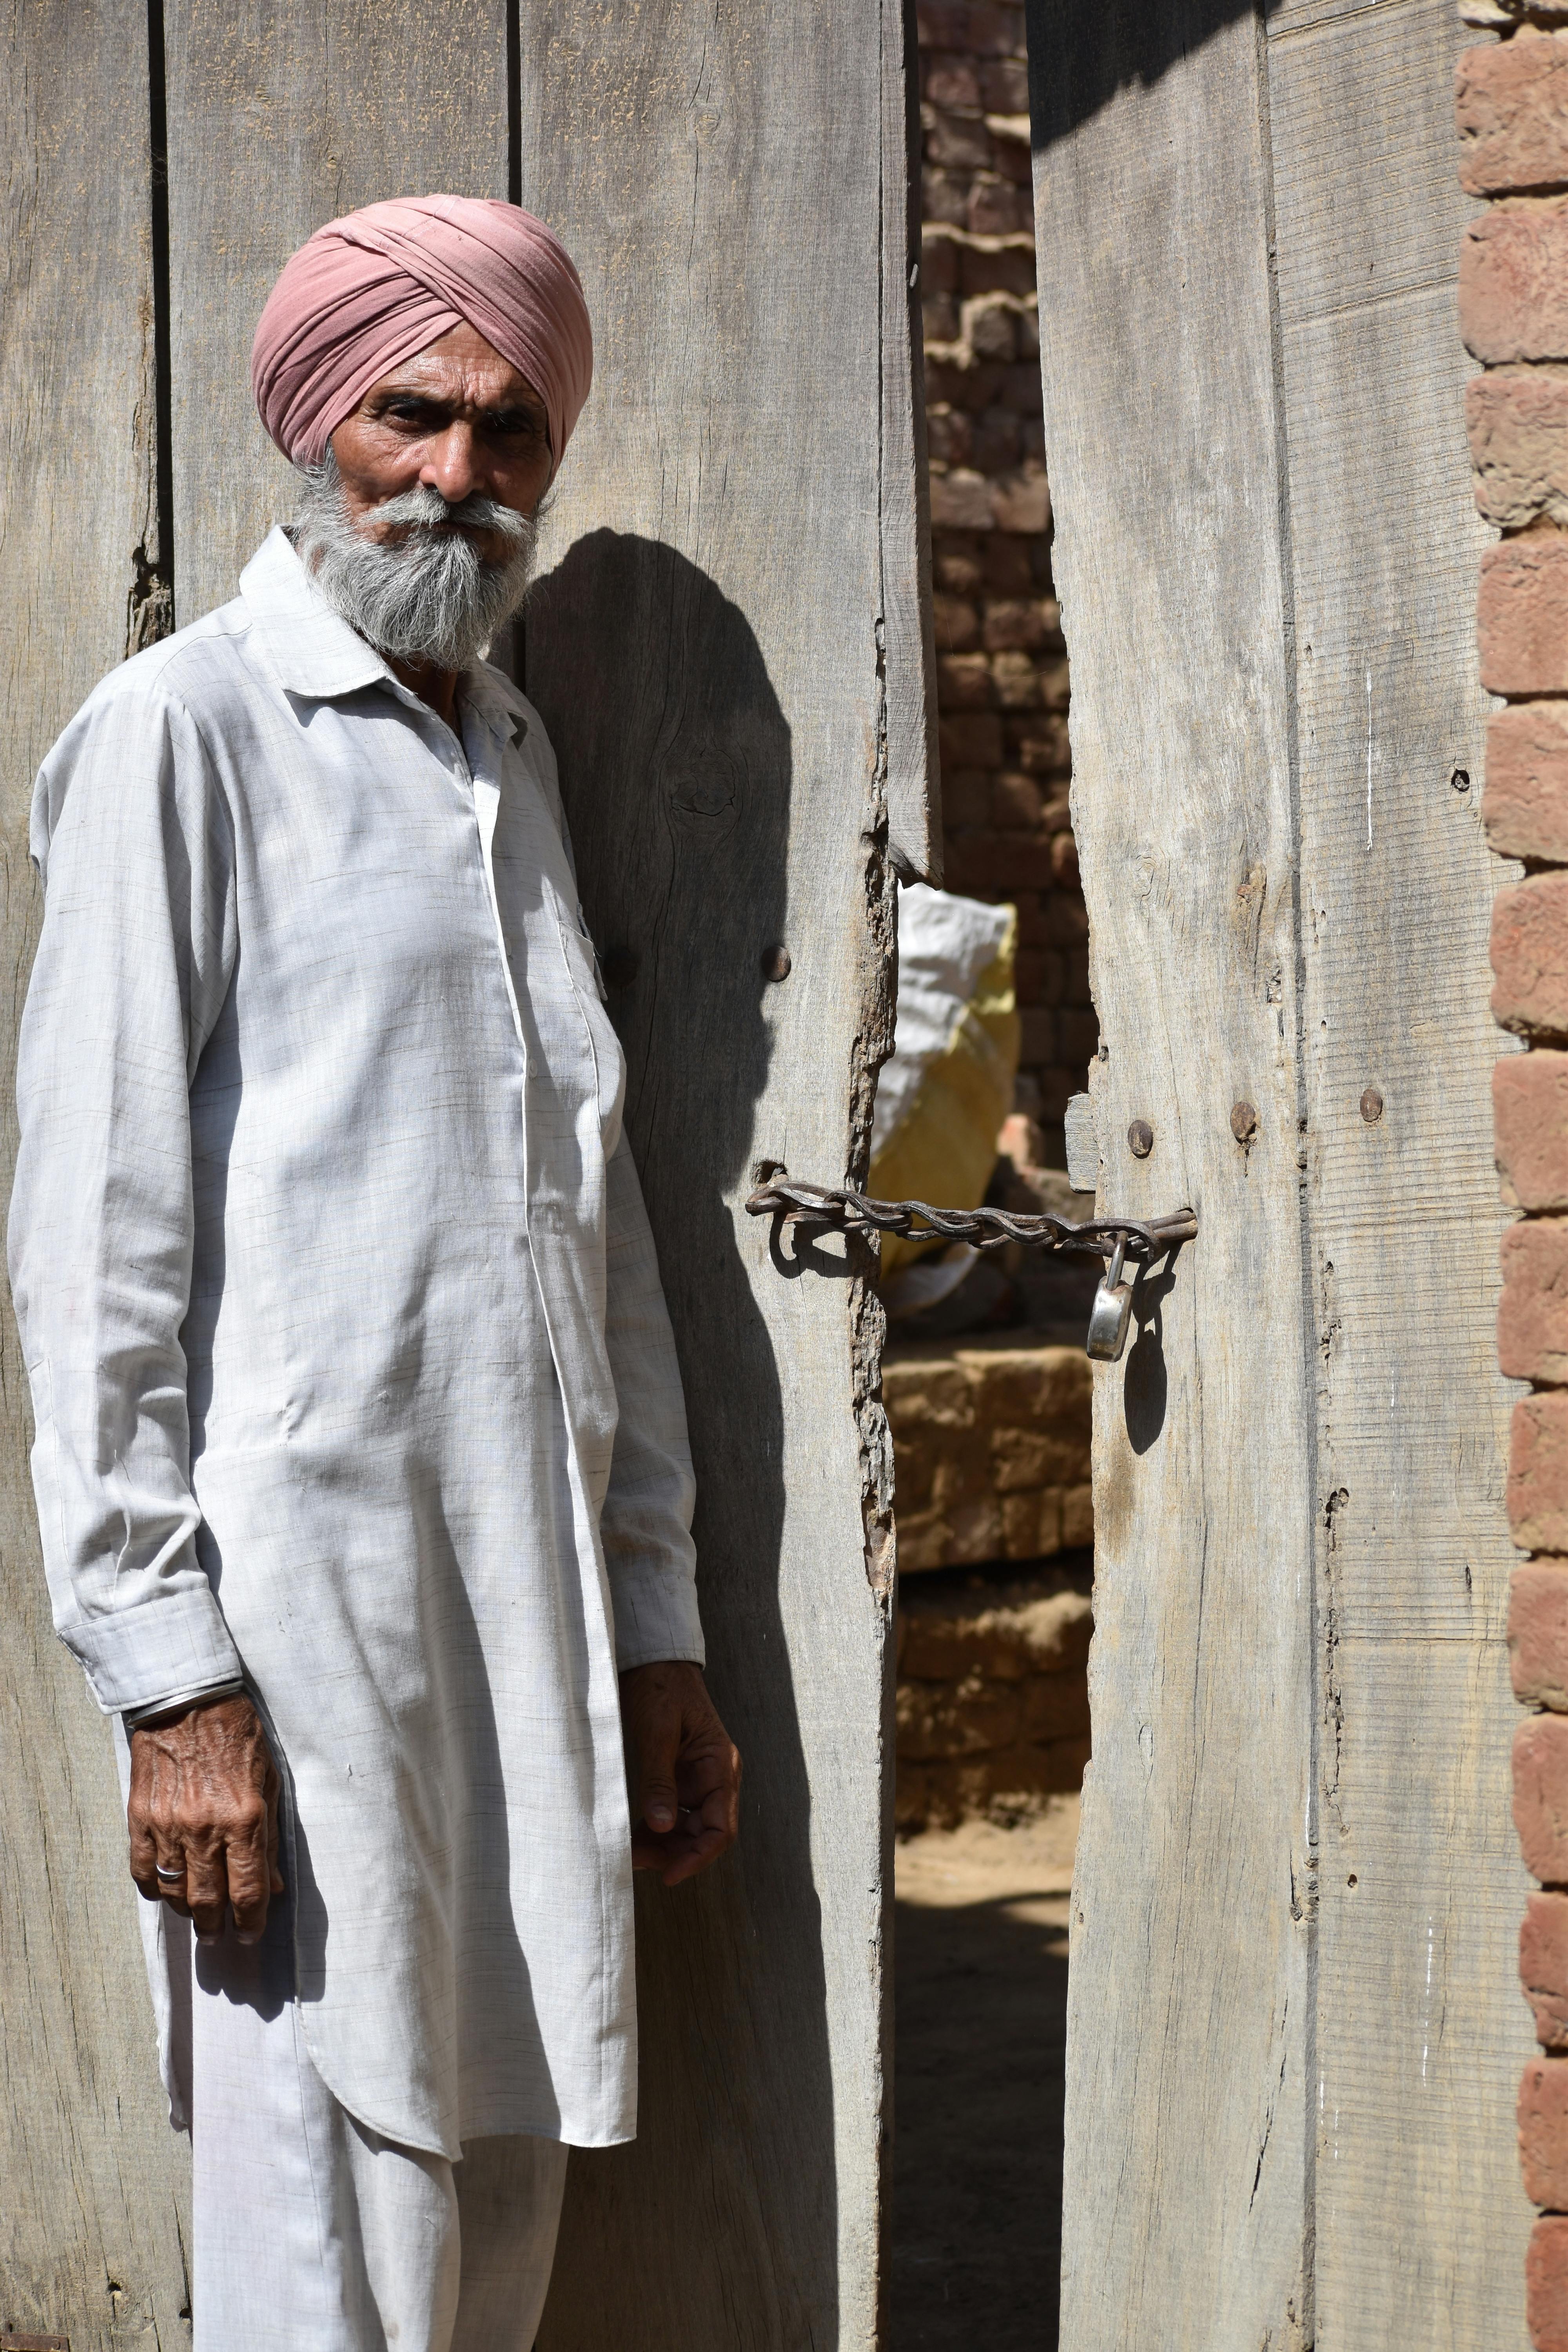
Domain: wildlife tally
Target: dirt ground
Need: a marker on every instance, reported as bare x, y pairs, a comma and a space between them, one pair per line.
980, 1972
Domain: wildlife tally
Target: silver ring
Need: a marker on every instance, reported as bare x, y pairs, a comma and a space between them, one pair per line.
169, 1877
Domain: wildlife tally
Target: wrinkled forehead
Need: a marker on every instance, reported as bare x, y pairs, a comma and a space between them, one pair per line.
461, 369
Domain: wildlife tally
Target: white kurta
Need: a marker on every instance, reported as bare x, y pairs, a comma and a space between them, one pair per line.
350, 1362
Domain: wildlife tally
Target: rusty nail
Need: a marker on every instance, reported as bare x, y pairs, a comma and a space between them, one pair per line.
1243, 1121
1372, 1106
776, 964
1140, 1138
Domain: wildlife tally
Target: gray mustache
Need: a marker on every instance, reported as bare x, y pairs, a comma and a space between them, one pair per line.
424, 505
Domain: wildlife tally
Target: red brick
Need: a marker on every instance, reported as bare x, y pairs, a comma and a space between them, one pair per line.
1546, 2285
1513, 281
1015, 803
1009, 571
955, 622
1529, 956
1038, 973
958, 142
998, 267
1066, 920
1058, 1088
1541, 1796
997, 861
1537, 1634
973, 739
1080, 1038
1004, 86
996, 31
965, 796
1518, 426
997, 209
1015, 681
1543, 1967
1530, 1118
941, 261
998, 441
1038, 1042
1042, 746
939, 324
1525, 805
964, 502
955, 563
944, 196
942, 23
947, 80
1523, 614
1532, 1315
1022, 502
1064, 861
1538, 1472
1511, 105
1014, 623
1543, 2132
1031, 919
963, 682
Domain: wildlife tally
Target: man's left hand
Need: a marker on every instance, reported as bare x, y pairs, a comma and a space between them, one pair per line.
684, 1769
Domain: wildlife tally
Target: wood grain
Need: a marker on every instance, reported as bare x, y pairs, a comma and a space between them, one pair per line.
92, 2179
1189, 1993
704, 648
1420, 2223
1298, 1888
280, 118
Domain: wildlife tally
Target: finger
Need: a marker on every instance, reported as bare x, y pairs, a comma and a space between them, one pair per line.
247, 1856
207, 1884
658, 1744
274, 1790
168, 1868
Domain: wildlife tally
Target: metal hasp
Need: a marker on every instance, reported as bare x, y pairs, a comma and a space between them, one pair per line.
794, 1202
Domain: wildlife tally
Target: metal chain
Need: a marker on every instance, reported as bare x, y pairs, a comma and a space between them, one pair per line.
799, 1203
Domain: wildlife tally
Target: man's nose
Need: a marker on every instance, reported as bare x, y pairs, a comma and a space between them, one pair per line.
449, 463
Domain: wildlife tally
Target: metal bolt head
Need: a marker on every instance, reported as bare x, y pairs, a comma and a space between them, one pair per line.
1243, 1121
1140, 1138
1372, 1106
776, 963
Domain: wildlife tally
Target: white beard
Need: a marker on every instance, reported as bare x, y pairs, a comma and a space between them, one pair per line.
426, 595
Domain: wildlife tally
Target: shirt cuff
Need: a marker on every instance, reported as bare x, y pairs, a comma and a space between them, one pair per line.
134, 1658
655, 1617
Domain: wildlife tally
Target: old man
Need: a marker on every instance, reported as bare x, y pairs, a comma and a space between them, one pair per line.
361, 1464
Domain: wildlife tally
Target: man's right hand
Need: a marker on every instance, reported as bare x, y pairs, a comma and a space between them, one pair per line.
203, 1803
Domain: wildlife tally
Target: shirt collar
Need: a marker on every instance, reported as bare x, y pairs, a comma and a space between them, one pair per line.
312, 652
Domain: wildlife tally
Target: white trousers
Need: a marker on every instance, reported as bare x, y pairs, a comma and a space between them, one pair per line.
313, 2232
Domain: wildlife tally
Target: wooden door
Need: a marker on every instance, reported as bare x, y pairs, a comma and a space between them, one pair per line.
1294, 2029
730, 646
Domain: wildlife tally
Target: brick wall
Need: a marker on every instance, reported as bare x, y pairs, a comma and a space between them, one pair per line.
1001, 672
1512, 109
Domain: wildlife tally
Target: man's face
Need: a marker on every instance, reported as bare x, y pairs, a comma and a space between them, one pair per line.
457, 418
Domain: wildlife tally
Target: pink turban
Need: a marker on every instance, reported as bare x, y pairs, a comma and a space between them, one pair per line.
368, 291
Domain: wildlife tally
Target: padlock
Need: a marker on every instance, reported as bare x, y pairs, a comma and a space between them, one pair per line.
1113, 1310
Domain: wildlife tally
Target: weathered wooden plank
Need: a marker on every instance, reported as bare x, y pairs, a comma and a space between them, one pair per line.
1419, 2222
914, 760
704, 648
280, 118
91, 2179
1187, 2132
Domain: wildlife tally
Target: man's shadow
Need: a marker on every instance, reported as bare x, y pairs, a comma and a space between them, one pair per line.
718, 2225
